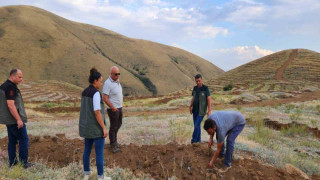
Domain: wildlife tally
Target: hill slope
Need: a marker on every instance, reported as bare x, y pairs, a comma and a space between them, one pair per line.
285, 70
48, 47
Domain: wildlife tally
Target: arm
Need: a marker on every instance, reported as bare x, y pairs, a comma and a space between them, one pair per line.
216, 154
98, 115
209, 105
107, 101
210, 142
190, 107
14, 112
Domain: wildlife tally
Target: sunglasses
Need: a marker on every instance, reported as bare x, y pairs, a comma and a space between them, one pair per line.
116, 74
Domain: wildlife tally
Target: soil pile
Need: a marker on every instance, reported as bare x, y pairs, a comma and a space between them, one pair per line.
159, 161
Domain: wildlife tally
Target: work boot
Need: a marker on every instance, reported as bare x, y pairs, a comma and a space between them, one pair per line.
224, 169
114, 149
118, 145
28, 165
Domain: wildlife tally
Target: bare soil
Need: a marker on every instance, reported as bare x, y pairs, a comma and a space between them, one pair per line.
159, 161
280, 71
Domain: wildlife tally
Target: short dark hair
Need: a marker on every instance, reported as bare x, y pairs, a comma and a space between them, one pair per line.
198, 76
209, 123
13, 72
94, 75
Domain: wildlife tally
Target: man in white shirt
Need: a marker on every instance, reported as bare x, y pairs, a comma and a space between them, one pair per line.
112, 96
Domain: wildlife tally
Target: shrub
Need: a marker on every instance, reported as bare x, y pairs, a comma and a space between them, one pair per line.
295, 130
296, 115
228, 87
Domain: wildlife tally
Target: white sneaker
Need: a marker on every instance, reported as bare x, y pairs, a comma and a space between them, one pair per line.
104, 178
87, 175
101, 178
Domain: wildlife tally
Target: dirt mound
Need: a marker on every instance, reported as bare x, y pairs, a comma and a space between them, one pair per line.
160, 161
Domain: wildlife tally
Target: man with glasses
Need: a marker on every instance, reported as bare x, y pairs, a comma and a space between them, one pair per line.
112, 96
198, 107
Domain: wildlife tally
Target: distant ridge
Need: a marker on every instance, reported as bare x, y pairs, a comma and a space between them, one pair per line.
48, 47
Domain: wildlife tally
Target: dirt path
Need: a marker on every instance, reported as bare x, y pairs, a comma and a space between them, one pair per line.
280, 71
159, 161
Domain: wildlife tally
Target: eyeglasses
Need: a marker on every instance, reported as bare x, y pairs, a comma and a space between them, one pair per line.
116, 74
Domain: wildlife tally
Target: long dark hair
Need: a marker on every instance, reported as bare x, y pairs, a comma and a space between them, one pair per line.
94, 75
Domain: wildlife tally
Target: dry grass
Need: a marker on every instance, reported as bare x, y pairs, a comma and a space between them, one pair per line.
46, 46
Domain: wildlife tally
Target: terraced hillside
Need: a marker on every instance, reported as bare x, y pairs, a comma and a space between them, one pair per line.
48, 47
288, 70
50, 91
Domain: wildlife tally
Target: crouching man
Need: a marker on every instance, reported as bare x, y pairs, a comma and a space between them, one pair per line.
225, 124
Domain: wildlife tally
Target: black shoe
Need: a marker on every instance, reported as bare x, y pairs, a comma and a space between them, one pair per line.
118, 145
114, 149
28, 165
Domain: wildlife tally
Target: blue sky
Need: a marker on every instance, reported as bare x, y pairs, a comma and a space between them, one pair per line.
227, 33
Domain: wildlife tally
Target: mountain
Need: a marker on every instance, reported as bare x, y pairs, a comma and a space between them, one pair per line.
286, 70
48, 47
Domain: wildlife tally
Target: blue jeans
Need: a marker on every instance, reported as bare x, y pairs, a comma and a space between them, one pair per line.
16, 135
99, 146
232, 135
196, 136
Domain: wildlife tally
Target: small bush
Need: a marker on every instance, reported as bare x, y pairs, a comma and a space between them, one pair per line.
296, 115
289, 107
294, 131
179, 131
228, 87
318, 108
1, 32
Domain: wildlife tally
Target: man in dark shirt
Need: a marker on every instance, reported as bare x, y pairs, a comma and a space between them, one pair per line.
17, 131
200, 101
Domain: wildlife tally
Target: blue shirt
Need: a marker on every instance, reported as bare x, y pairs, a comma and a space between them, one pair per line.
225, 121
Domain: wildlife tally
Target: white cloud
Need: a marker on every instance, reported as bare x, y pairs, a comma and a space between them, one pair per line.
175, 45
205, 31
281, 16
230, 58
154, 2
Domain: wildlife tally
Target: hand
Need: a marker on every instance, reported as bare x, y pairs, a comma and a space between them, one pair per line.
105, 133
114, 109
190, 109
210, 165
20, 124
208, 114
210, 143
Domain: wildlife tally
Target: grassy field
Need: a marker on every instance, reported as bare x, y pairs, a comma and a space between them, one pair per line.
165, 119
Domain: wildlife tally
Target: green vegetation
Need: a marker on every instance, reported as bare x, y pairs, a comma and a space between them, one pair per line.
180, 132
72, 171
296, 115
261, 134
295, 130
50, 105
228, 87
1, 31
